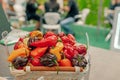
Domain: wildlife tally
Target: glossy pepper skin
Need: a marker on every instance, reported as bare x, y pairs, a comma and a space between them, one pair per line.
19, 44
38, 52
48, 60
19, 62
18, 52
70, 51
65, 62
56, 50
36, 33
68, 39
45, 42
35, 61
49, 33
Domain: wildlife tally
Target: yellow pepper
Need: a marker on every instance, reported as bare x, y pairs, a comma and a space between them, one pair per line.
57, 49
18, 52
36, 33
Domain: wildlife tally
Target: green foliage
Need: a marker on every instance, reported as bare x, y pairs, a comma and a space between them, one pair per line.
41, 1
93, 5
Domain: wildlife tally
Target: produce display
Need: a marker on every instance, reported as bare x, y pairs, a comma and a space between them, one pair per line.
49, 49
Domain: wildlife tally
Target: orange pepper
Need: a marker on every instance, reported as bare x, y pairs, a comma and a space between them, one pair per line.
18, 52
65, 62
38, 52
36, 33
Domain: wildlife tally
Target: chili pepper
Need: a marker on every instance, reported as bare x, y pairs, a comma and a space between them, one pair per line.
38, 52
18, 52
21, 39
56, 50
79, 60
48, 60
25, 41
82, 49
19, 44
45, 42
68, 39
71, 39
67, 54
36, 33
49, 33
70, 36
35, 61
65, 39
19, 62
31, 40
61, 34
59, 45
65, 62
70, 51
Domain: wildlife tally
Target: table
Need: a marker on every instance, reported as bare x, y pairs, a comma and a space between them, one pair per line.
4, 65
105, 64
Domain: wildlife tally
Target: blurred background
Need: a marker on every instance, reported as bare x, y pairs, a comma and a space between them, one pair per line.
94, 6
93, 20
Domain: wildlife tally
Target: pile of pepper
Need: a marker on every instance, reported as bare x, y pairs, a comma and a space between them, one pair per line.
48, 49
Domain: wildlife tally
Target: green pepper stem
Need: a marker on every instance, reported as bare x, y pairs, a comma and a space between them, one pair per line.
57, 68
59, 39
79, 59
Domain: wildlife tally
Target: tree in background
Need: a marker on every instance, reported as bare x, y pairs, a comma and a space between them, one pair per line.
93, 5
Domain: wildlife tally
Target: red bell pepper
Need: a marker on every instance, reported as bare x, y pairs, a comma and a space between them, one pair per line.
65, 39
82, 49
69, 51
35, 61
49, 33
45, 42
70, 36
69, 39
18, 43
38, 52
61, 34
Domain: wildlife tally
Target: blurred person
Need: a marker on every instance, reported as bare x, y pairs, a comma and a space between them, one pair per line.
72, 11
31, 9
113, 5
22, 2
19, 8
52, 6
110, 16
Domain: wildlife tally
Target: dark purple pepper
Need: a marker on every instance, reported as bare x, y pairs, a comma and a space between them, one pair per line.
48, 60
